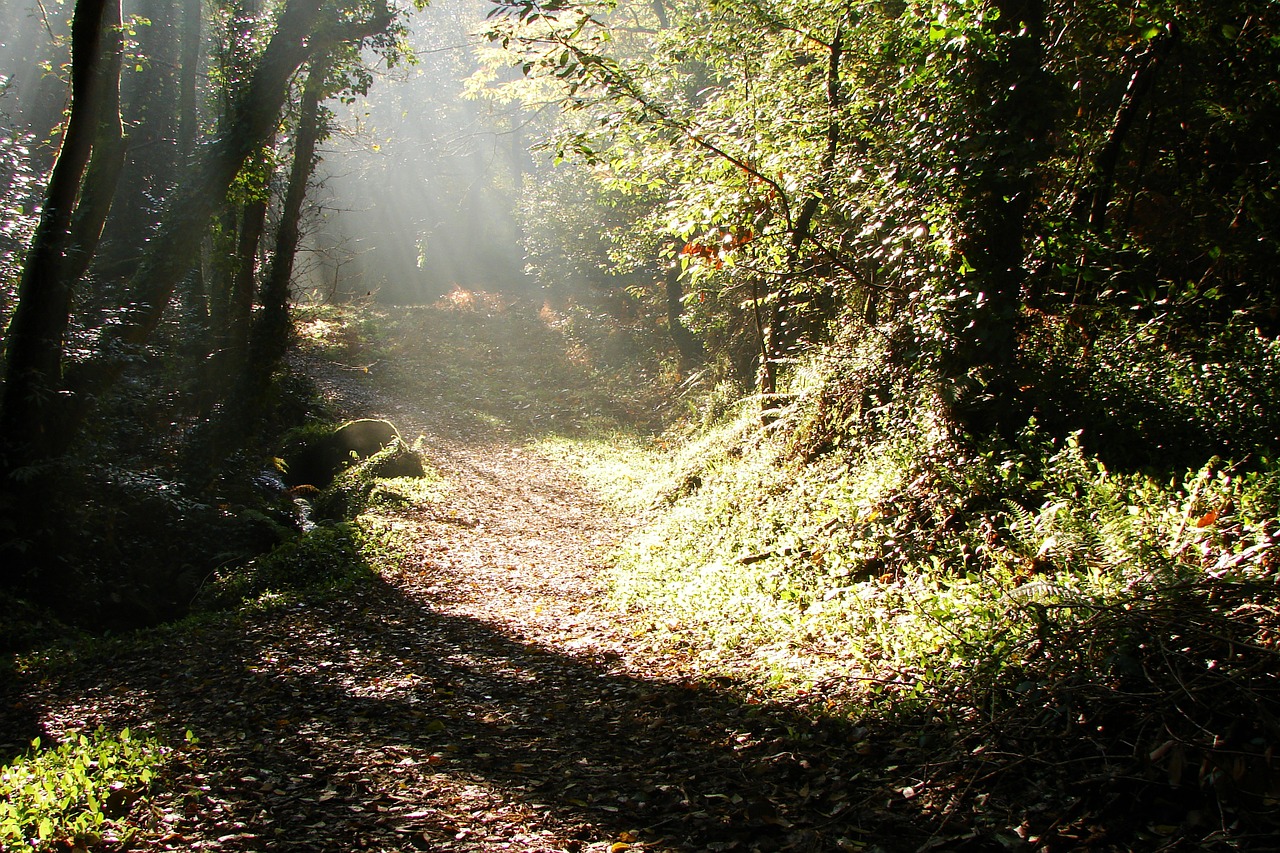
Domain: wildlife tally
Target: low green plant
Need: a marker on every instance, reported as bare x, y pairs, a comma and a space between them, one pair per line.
921, 572
384, 540
360, 487
78, 792
348, 333
627, 471
328, 555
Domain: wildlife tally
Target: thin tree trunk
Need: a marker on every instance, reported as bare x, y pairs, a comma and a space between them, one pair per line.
253, 222
195, 288
269, 333
688, 347
189, 68
1094, 197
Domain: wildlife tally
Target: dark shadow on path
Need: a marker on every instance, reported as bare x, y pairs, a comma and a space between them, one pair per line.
373, 722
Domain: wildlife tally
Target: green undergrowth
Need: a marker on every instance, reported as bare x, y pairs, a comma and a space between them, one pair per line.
359, 536
629, 472
333, 555
326, 556
902, 574
359, 489
77, 794
918, 569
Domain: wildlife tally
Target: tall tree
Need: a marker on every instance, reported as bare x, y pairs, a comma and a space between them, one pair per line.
30, 430
1009, 98
31, 414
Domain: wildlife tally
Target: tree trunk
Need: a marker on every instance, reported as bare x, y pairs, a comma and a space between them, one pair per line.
189, 68
1092, 200
781, 332
30, 417
269, 338
253, 222
1010, 110
189, 212
102, 176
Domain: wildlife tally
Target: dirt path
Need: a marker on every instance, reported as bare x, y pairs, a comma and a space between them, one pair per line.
485, 697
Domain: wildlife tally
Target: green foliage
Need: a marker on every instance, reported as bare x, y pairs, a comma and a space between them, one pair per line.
923, 573
77, 793
326, 556
974, 170
356, 539
18, 206
1146, 400
627, 472
363, 486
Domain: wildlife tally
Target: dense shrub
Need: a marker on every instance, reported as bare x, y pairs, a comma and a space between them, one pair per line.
327, 555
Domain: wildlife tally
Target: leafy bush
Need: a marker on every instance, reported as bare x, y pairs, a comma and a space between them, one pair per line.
77, 792
324, 556
1144, 400
346, 333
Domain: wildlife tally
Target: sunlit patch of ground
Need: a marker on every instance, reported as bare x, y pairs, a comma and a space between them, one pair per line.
509, 365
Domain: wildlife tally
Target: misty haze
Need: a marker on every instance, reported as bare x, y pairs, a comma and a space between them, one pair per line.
419, 192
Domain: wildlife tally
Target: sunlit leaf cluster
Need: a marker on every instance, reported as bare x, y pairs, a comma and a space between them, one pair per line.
77, 792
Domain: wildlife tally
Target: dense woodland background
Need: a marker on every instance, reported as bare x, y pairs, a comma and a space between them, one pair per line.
962, 316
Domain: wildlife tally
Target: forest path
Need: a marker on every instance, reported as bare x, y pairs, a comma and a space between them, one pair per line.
485, 696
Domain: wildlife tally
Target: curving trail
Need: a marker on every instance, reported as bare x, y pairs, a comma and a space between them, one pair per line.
485, 696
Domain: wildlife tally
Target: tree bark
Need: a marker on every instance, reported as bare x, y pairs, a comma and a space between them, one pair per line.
189, 212
1093, 199
30, 416
98, 190
1010, 109
270, 333
253, 223
688, 347
189, 68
